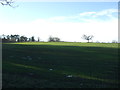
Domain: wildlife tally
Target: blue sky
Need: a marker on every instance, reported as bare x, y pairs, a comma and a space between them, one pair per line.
62, 19
28, 11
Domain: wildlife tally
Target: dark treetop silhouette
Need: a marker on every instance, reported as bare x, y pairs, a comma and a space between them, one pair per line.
18, 38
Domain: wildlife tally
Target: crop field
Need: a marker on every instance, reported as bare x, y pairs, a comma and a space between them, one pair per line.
59, 65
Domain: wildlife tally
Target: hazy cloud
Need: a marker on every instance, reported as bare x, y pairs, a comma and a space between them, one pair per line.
103, 15
68, 29
100, 13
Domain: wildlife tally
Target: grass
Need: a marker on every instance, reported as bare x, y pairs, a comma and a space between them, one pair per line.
28, 65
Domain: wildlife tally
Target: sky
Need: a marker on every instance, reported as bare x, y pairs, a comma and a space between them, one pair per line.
66, 20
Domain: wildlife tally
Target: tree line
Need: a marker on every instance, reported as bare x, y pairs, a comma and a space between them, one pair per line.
18, 38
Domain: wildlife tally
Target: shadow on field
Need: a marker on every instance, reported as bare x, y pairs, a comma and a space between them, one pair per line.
59, 66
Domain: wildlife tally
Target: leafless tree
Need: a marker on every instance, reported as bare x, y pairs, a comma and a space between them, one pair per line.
87, 37
7, 2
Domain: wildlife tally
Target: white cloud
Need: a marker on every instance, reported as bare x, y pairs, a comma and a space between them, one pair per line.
87, 13
108, 12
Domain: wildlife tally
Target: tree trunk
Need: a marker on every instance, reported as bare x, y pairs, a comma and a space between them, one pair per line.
88, 41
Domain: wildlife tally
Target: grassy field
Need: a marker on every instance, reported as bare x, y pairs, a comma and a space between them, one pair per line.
60, 65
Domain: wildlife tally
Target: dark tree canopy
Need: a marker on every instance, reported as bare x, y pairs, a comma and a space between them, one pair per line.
32, 38
54, 39
16, 38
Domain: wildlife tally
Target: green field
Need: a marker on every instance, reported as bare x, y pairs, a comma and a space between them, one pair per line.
60, 65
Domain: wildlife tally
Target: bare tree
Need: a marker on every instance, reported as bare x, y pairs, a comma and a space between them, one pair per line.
88, 38
8, 2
